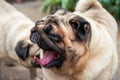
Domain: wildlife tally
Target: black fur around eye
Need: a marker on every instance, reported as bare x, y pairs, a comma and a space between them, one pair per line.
81, 28
74, 24
51, 34
48, 28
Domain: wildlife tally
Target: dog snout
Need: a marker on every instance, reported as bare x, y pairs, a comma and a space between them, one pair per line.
34, 37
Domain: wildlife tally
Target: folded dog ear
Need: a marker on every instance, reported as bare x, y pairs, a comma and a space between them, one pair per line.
83, 31
81, 27
22, 49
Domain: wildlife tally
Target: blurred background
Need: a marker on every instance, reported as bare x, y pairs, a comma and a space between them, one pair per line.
36, 9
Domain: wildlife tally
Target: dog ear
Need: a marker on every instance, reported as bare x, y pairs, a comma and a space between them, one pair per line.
81, 28
22, 49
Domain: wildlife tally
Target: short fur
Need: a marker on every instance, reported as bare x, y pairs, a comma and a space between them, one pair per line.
15, 27
95, 59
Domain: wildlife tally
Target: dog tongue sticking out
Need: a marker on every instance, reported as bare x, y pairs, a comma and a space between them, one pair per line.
48, 56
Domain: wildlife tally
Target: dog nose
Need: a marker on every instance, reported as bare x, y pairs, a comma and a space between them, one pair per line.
34, 37
35, 31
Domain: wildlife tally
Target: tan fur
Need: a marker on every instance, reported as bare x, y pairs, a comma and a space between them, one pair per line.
14, 26
99, 60
103, 60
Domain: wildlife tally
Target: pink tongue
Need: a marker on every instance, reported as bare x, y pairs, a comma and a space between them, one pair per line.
47, 58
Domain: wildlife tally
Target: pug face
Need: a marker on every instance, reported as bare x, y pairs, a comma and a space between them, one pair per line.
64, 38
25, 50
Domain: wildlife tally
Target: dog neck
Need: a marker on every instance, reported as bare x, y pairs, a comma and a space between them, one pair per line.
48, 74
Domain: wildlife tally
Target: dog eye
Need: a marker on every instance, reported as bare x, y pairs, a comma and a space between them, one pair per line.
48, 28
51, 34
55, 37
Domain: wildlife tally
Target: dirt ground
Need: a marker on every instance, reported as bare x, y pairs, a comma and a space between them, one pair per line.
32, 10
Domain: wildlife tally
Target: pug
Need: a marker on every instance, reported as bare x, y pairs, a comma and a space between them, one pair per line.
14, 36
79, 45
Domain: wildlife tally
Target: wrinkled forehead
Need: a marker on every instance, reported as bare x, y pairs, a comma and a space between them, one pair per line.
60, 15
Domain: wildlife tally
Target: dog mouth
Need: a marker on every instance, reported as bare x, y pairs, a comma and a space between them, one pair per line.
53, 55
48, 56
49, 59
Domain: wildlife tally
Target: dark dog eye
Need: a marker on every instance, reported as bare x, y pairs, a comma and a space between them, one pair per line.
55, 37
48, 28
51, 34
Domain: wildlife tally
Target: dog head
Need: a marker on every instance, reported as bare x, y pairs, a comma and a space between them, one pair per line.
64, 38
25, 50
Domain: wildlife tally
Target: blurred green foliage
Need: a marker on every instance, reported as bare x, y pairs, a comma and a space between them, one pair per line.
113, 6
53, 5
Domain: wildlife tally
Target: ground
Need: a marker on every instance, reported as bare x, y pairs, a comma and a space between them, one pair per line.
32, 10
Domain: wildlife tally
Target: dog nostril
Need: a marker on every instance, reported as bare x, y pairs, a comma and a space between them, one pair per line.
35, 37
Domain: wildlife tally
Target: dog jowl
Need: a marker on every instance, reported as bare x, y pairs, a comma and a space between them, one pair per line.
64, 38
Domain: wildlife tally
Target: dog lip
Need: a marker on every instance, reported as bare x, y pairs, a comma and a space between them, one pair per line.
48, 56
49, 60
